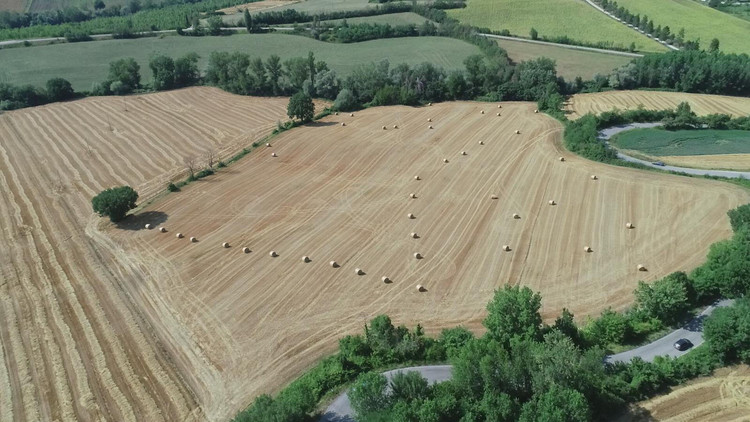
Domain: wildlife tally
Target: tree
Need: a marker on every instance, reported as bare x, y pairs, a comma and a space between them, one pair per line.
727, 269
456, 85
453, 339
115, 202
345, 101
514, 313
567, 325
301, 107
210, 156
248, 21
327, 84
533, 34
714, 46
186, 71
190, 164
59, 89
409, 386
214, 25
273, 68
665, 299
258, 72
99, 5
163, 69
556, 405
311, 68
739, 217
127, 72
368, 394
714, 3
727, 332
610, 328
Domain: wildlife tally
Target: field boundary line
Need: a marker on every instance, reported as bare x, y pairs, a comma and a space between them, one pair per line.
569, 46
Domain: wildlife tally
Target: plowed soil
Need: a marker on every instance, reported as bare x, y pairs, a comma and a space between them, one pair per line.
701, 104
240, 324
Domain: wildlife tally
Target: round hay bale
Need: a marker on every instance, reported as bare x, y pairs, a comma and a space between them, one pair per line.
506, 248
410, 215
193, 239
343, 124
334, 264
481, 142
429, 127
429, 104
305, 258
417, 178
629, 225
268, 144
429, 119
395, 126
351, 114
273, 154
482, 112
518, 132
162, 230
384, 128
536, 111
179, 235
493, 196
417, 255
499, 106
336, 113
225, 245
552, 202
562, 158
463, 152
246, 250
420, 288
358, 271
148, 226
498, 114
587, 249
273, 254
445, 160
516, 216
641, 268
413, 235
386, 280
593, 177
412, 196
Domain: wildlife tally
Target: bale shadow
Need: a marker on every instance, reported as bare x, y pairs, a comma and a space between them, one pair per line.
139, 221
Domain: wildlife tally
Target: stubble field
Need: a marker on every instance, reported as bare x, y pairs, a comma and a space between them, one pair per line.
73, 344
701, 104
342, 193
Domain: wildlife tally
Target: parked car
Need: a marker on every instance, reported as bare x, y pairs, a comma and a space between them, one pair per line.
683, 344
658, 163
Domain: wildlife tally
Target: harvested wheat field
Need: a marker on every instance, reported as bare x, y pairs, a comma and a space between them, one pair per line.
243, 322
712, 161
701, 104
723, 397
73, 344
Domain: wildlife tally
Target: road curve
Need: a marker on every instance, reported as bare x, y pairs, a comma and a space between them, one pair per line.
606, 134
341, 409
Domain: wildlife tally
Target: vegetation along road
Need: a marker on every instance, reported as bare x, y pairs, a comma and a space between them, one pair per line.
608, 133
341, 409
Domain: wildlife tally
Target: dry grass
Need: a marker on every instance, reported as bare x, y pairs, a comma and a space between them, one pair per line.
341, 193
702, 104
74, 344
725, 397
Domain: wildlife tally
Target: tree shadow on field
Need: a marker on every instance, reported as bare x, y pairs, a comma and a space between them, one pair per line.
635, 413
139, 221
322, 124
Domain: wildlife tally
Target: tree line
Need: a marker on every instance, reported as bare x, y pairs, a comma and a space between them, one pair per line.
524, 370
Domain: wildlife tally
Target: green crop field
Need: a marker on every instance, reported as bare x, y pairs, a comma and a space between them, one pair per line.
45, 5
699, 22
85, 63
572, 18
316, 6
741, 11
570, 63
659, 142
407, 18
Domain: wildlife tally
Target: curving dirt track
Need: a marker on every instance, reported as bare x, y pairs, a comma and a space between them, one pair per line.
240, 324
73, 345
725, 397
701, 104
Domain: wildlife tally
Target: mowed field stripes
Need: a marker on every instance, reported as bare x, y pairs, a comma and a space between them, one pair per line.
74, 343
341, 193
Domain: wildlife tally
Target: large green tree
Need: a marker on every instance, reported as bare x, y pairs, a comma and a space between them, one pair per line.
514, 313
126, 72
59, 89
558, 404
368, 394
727, 332
665, 299
301, 107
115, 202
162, 67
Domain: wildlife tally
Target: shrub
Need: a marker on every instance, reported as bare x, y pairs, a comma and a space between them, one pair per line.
59, 89
172, 187
115, 202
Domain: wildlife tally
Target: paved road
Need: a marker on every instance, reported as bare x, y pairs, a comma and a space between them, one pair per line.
664, 346
606, 134
572, 47
596, 6
341, 410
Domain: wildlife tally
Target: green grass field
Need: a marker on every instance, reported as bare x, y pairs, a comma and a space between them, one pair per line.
393, 19
45, 5
550, 18
85, 63
570, 63
659, 142
698, 20
315, 6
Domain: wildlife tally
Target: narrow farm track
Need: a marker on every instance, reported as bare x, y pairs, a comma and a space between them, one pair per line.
241, 324
701, 104
74, 344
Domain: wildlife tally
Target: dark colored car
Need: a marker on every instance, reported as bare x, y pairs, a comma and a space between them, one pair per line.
658, 163
683, 344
